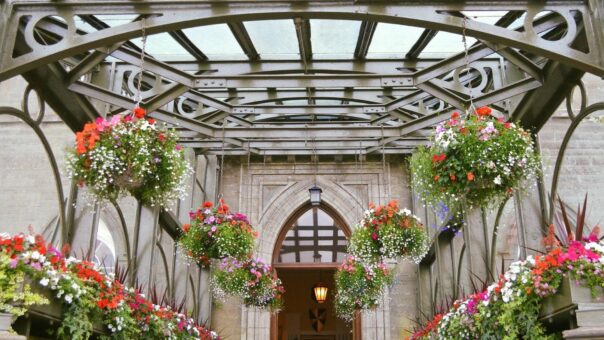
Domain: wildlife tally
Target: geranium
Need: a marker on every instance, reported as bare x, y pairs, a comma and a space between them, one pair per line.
359, 286
253, 280
509, 308
87, 294
389, 232
478, 159
216, 233
131, 154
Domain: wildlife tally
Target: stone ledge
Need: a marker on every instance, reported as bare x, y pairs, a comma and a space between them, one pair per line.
595, 333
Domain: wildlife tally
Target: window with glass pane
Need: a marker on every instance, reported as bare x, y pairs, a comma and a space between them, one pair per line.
314, 237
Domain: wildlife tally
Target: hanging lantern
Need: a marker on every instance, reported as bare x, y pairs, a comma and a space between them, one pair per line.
320, 292
315, 195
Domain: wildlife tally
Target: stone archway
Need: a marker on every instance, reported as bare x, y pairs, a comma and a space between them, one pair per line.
270, 220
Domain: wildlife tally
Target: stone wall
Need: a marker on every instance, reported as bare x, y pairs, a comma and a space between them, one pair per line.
269, 193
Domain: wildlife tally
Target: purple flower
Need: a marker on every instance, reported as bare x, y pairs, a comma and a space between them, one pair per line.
13, 263
213, 229
240, 217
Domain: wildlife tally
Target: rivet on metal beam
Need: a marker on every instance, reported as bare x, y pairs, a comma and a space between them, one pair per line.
213, 83
397, 81
249, 110
374, 109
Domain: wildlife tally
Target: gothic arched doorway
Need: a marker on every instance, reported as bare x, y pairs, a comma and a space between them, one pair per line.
309, 248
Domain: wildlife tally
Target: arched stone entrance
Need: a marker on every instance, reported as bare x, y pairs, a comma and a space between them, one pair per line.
272, 197
309, 249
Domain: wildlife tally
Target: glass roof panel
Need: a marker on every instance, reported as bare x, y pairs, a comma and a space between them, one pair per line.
445, 44
82, 25
163, 47
116, 19
274, 39
216, 41
392, 41
334, 39
518, 22
487, 17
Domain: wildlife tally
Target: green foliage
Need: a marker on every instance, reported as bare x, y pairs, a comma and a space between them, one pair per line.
76, 323
253, 280
359, 287
387, 232
215, 233
16, 295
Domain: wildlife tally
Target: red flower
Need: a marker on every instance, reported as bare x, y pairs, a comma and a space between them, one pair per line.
470, 176
207, 204
151, 120
452, 177
484, 111
507, 125
186, 227
161, 137
374, 236
139, 112
439, 158
436, 177
455, 115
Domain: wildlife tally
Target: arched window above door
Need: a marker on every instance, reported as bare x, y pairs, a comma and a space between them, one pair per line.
314, 236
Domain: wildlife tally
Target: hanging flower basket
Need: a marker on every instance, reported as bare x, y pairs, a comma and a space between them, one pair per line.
359, 287
216, 233
131, 154
253, 280
478, 159
386, 232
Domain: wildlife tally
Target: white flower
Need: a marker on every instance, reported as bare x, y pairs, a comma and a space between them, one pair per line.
497, 180
31, 239
44, 282
35, 255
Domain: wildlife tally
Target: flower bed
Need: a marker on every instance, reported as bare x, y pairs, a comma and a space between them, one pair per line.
478, 159
216, 233
388, 233
130, 154
510, 308
359, 286
253, 280
87, 295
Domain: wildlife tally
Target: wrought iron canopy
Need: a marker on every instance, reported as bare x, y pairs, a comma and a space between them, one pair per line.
271, 77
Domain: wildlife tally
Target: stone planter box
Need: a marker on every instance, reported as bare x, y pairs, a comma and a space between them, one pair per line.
45, 316
571, 307
6, 331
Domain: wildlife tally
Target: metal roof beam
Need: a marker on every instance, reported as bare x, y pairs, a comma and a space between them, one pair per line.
421, 43
101, 25
364, 40
304, 81
244, 40
307, 152
303, 33
186, 43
